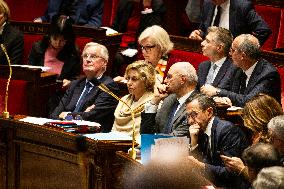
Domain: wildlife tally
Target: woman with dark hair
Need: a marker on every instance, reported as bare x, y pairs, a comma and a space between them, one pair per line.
58, 51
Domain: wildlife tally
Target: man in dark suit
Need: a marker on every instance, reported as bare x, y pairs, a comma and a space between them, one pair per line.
211, 137
239, 16
87, 13
152, 14
170, 118
11, 38
218, 71
255, 75
83, 97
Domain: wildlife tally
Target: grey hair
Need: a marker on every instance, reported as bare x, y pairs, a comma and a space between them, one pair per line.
159, 36
103, 52
270, 177
223, 36
276, 124
186, 69
250, 46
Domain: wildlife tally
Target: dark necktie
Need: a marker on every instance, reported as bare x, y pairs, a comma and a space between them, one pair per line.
206, 152
83, 96
217, 17
243, 79
169, 125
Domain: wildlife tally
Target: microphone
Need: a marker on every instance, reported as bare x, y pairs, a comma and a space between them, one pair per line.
82, 147
5, 113
104, 88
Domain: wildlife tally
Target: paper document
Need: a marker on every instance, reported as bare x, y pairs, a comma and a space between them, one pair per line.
44, 69
109, 136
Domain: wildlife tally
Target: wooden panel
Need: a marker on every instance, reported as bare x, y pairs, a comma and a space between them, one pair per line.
34, 156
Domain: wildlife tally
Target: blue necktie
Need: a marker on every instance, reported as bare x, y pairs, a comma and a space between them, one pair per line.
169, 125
83, 96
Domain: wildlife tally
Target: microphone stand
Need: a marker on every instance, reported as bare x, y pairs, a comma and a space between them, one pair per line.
107, 90
5, 113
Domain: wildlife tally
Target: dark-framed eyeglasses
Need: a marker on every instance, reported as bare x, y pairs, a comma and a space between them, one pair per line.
147, 48
192, 114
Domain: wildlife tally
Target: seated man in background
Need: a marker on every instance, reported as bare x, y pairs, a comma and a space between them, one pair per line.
87, 13
170, 118
255, 76
258, 156
83, 97
218, 71
276, 132
10, 37
270, 177
238, 16
211, 137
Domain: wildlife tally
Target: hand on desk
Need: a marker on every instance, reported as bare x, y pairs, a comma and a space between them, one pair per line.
223, 100
62, 115
66, 83
209, 90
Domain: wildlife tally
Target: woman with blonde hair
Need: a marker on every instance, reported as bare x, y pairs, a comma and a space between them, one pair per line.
140, 78
155, 44
257, 113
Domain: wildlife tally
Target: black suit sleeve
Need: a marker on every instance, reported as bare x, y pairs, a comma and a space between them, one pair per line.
148, 123
105, 105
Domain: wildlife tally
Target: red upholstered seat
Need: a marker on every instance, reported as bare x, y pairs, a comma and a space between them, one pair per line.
183, 56
280, 40
109, 12
17, 99
29, 40
272, 16
26, 10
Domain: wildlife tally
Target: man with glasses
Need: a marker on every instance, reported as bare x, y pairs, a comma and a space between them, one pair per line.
255, 75
170, 118
83, 97
211, 137
218, 71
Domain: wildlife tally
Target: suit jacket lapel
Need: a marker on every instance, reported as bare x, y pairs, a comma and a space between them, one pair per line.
214, 137
253, 78
221, 73
182, 109
203, 76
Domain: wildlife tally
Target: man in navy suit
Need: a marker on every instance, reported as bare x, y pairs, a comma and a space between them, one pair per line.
88, 12
218, 71
211, 137
238, 16
83, 97
255, 75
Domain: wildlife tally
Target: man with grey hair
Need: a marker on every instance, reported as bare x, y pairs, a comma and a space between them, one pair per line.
276, 132
255, 75
218, 71
170, 118
270, 177
83, 97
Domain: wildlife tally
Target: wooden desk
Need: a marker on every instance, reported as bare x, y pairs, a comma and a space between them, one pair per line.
33, 156
41, 86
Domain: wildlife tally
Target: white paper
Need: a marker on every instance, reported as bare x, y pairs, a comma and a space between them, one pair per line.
109, 136
234, 108
42, 121
110, 31
43, 68
129, 52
